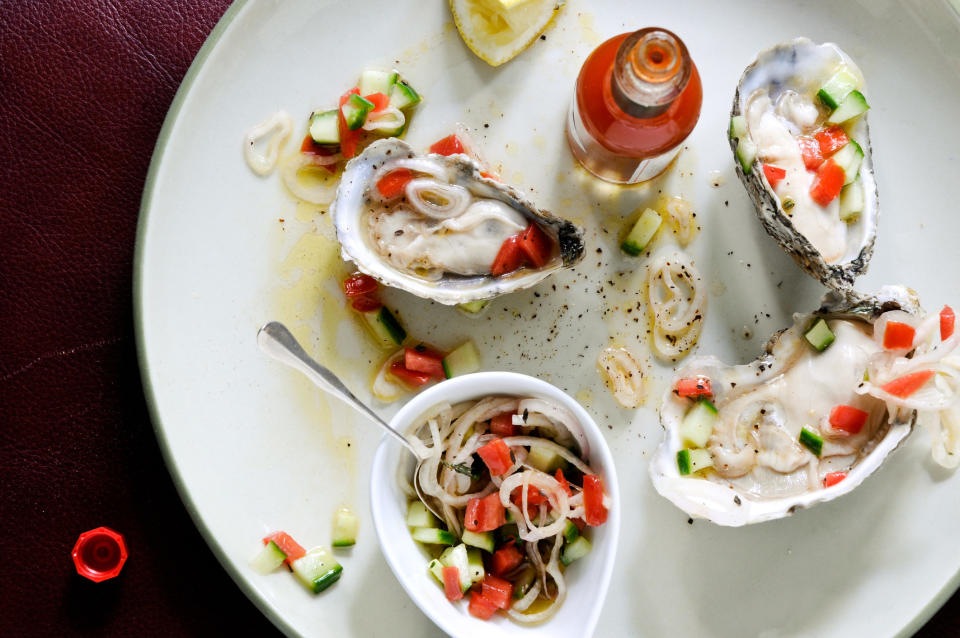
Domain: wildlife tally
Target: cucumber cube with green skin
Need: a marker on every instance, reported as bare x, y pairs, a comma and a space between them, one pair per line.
464, 359
419, 516
697, 424
523, 582
473, 307
692, 461
457, 557
325, 127
849, 159
811, 440
575, 550
269, 558
403, 96
433, 536
475, 565
436, 568
642, 232
345, 526
851, 201
545, 459
570, 531
819, 335
355, 111
746, 154
837, 88
375, 81
738, 127
317, 569
385, 327
483, 540
853, 105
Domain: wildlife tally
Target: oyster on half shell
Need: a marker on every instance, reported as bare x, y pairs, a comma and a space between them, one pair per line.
439, 235
778, 118
753, 463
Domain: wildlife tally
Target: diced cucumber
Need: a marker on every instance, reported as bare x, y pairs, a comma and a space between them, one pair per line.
345, 525
819, 335
575, 550
697, 425
419, 516
738, 127
692, 461
851, 201
849, 159
570, 531
523, 582
642, 232
483, 540
376, 81
508, 532
317, 569
853, 105
463, 360
837, 88
746, 154
436, 568
269, 559
545, 459
508, 517
811, 440
385, 327
325, 127
355, 111
402, 95
457, 557
473, 307
475, 565
433, 536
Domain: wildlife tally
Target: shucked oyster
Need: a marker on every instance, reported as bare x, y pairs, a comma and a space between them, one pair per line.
435, 226
755, 442
799, 133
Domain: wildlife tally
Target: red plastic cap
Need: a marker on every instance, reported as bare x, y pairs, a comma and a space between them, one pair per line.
100, 554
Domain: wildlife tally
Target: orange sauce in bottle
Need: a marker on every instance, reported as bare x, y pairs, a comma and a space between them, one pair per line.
638, 97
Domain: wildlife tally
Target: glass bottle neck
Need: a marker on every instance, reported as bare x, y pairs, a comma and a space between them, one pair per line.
651, 70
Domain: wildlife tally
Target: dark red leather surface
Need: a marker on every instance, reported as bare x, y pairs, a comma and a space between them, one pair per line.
84, 87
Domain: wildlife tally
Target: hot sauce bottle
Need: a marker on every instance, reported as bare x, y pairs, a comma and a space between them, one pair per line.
637, 98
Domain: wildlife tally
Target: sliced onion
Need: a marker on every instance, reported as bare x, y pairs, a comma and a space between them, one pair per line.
278, 127
317, 194
427, 166
624, 375
437, 200
681, 215
677, 313
388, 119
560, 415
386, 390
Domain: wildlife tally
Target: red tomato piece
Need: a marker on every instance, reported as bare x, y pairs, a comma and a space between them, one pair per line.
847, 418
827, 182
359, 284
480, 607
365, 303
496, 454
489, 176
312, 148
907, 384
497, 590
510, 257
562, 480
450, 145
594, 511
810, 149
393, 183
287, 545
832, 478
536, 245
693, 387
506, 559
534, 497
484, 514
580, 523
947, 320
380, 101
898, 336
502, 425
412, 378
831, 139
774, 174
422, 359
451, 583
348, 138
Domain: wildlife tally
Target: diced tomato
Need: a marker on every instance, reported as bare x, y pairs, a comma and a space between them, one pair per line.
810, 149
947, 320
693, 387
827, 182
412, 378
480, 607
562, 480
536, 245
908, 384
497, 590
506, 559
365, 303
847, 418
534, 497
898, 336
502, 425
580, 523
451, 583
489, 176
450, 145
312, 148
774, 174
287, 545
348, 138
422, 359
496, 454
380, 101
393, 183
594, 511
359, 284
832, 478
484, 514
831, 139
510, 257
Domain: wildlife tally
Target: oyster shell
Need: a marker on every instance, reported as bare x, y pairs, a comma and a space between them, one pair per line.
760, 470
777, 95
444, 257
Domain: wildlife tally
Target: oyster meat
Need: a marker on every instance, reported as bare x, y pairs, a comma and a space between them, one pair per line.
798, 125
776, 441
437, 231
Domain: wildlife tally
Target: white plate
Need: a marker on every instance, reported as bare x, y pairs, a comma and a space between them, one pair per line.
253, 448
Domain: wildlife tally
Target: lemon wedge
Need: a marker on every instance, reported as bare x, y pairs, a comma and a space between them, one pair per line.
497, 30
